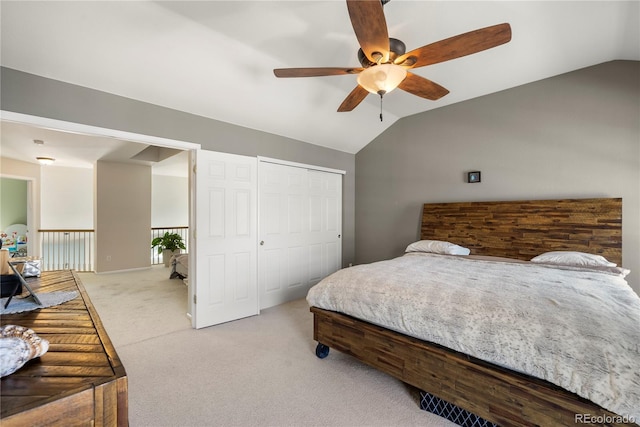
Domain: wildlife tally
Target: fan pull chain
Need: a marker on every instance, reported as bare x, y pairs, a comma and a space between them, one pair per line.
380, 107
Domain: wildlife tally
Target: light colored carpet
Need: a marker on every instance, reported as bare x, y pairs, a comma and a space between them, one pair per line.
258, 371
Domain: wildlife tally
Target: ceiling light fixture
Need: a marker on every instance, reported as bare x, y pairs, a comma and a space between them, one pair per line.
381, 79
45, 160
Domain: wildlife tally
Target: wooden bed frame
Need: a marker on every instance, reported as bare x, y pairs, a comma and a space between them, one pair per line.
521, 230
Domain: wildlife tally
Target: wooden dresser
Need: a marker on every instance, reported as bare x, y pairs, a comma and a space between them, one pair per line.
80, 380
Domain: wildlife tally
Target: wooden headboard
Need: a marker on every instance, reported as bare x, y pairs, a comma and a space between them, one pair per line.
524, 229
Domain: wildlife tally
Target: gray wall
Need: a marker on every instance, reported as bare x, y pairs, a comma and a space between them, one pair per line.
38, 96
571, 136
122, 216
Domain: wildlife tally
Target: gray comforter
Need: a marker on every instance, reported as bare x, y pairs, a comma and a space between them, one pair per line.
575, 327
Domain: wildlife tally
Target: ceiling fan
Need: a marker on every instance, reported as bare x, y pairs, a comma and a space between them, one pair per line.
385, 63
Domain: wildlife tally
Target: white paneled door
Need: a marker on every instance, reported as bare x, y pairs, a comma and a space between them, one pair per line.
300, 229
225, 238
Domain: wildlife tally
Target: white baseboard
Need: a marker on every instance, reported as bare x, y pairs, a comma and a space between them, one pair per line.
129, 270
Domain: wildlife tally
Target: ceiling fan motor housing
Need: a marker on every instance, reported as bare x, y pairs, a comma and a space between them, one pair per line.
396, 48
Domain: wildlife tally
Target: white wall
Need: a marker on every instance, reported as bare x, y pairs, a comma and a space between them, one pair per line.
169, 201
66, 201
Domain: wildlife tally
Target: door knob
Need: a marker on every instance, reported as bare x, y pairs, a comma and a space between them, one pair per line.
339, 236
261, 242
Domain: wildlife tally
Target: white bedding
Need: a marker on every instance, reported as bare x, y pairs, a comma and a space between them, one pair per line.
574, 327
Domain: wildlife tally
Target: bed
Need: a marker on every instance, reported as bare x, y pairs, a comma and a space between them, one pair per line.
493, 389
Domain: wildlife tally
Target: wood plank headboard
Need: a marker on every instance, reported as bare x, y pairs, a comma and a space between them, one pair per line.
524, 229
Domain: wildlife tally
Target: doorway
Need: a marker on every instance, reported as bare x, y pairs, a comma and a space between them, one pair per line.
16, 214
86, 131
322, 202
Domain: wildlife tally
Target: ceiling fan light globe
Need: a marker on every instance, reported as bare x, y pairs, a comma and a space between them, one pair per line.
382, 78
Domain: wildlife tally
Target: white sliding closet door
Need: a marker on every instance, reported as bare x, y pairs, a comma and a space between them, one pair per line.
325, 224
300, 227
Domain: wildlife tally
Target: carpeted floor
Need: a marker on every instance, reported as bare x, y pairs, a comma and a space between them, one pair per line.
258, 371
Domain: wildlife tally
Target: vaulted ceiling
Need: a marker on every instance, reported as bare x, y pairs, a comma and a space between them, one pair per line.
216, 58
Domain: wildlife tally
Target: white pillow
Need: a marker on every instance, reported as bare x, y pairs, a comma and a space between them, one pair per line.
573, 258
437, 247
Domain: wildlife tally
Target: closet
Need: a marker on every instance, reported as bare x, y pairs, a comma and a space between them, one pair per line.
265, 232
299, 228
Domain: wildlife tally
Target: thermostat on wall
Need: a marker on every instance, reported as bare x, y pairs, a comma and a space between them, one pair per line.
473, 177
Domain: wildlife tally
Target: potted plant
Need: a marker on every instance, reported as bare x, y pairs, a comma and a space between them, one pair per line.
169, 245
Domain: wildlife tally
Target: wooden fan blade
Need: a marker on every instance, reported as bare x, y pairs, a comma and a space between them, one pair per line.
458, 46
314, 72
370, 26
422, 87
353, 99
